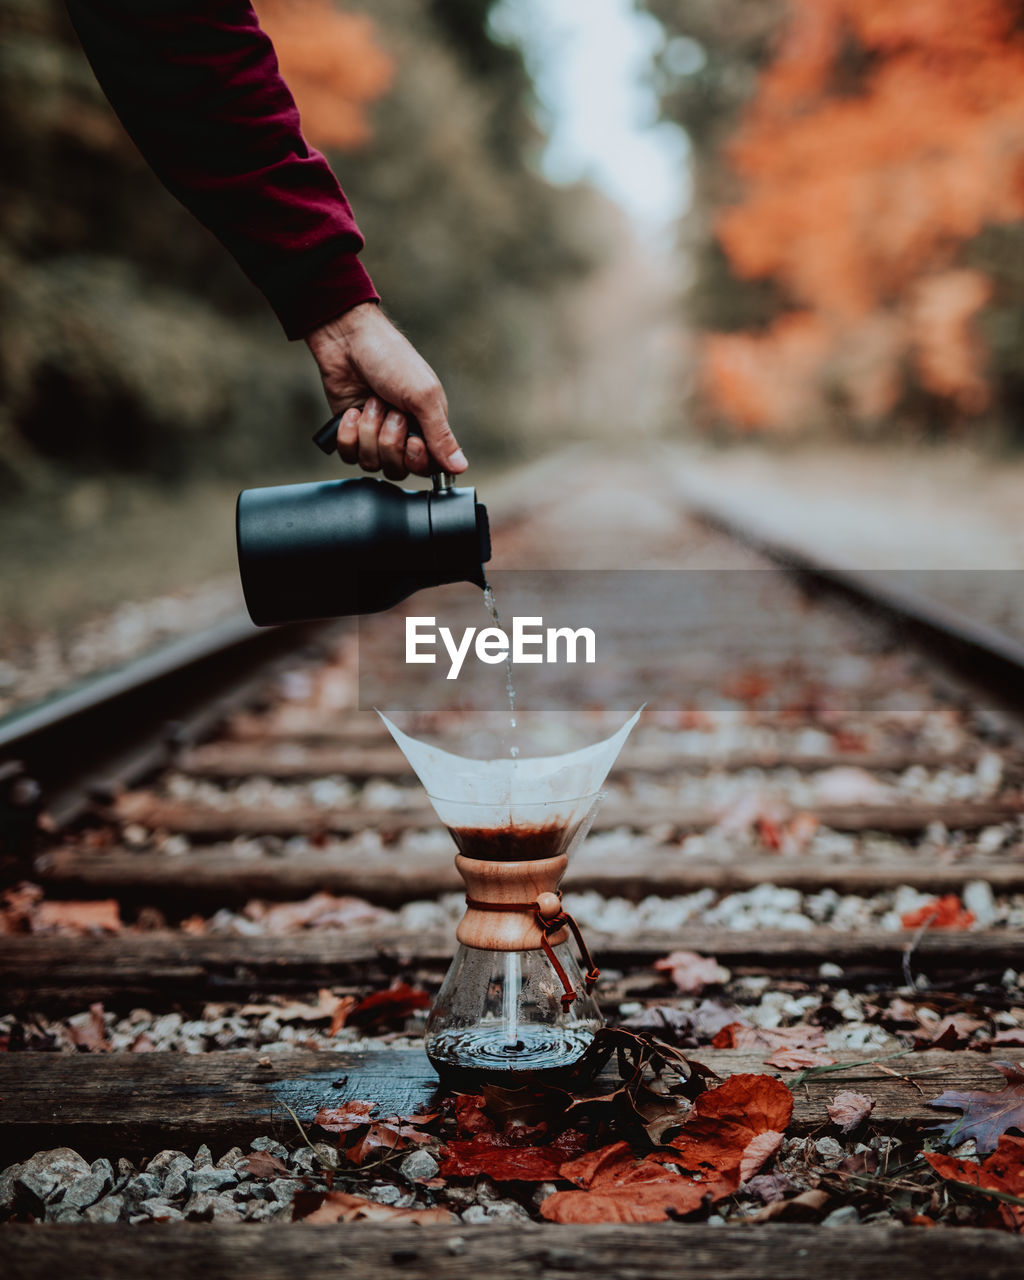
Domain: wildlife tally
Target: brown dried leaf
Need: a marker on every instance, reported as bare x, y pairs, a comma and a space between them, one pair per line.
738, 1035
848, 1109
350, 1115
382, 1137
950, 1032
261, 1164
339, 1206
988, 1113
806, 1207
91, 1034
798, 1059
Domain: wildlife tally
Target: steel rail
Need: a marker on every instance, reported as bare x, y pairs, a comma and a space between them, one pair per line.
109, 730
977, 653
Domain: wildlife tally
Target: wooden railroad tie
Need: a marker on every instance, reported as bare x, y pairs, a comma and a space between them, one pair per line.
523, 1251
216, 874
137, 1103
47, 972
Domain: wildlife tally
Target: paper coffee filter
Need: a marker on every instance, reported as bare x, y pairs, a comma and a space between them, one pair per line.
492, 794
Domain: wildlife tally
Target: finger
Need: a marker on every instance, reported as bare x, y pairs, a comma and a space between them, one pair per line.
348, 436
432, 410
391, 446
370, 422
417, 459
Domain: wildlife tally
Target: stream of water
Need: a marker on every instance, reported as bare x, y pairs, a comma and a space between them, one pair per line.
510, 689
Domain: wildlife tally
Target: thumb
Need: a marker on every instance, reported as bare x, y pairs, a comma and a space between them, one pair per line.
432, 413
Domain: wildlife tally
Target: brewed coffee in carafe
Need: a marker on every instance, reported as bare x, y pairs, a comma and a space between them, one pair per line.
518, 997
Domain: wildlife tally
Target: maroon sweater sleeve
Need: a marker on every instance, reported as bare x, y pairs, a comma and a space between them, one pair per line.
197, 86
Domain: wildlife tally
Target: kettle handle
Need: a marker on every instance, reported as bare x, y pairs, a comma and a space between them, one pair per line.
326, 437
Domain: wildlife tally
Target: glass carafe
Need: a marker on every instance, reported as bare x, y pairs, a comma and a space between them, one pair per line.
517, 999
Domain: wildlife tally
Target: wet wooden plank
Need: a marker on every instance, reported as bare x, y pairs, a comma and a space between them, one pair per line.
154, 969
310, 756
233, 819
215, 875
127, 1104
525, 1251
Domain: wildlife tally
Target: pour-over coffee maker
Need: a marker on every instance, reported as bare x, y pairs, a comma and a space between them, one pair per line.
518, 997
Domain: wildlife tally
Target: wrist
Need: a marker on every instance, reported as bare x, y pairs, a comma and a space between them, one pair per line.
342, 327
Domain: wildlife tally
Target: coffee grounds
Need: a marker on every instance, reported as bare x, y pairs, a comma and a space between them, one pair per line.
513, 844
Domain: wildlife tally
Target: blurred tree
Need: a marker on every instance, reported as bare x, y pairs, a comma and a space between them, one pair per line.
869, 183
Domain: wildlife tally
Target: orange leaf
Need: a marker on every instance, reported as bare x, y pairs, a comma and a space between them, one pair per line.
946, 912
350, 1115
1002, 1171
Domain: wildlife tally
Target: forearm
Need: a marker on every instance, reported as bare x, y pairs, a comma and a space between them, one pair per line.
198, 89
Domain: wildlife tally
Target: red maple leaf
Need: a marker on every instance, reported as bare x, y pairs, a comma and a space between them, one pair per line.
1002, 1171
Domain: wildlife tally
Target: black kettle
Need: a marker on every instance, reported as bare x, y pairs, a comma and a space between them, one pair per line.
340, 547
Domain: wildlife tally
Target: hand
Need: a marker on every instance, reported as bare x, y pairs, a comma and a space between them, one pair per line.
374, 378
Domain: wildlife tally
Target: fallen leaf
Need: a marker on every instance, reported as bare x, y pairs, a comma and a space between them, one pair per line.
848, 1109
739, 1035
341, 1013
390, 1134
350, 1115
725, 1122
685, 1028
494, 1156
77, 917
320, 911
692, 972
798, 1059
758, 1151
946, 912
796, 836
325, 1009
769, 1187
470, 1118
988, 1113
753, 811
506, 1107
18, 906
617, 1187
89, 1030
339, 1206
806, 1207
1002, 1171
951, 1032
394, 1004
261, 1164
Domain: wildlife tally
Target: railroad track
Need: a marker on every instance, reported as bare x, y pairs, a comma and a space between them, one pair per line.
214, 892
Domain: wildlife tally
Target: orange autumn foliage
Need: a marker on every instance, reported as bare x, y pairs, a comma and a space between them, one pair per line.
881, 138
333, 64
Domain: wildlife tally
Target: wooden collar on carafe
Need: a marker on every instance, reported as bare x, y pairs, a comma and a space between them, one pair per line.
517, 906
